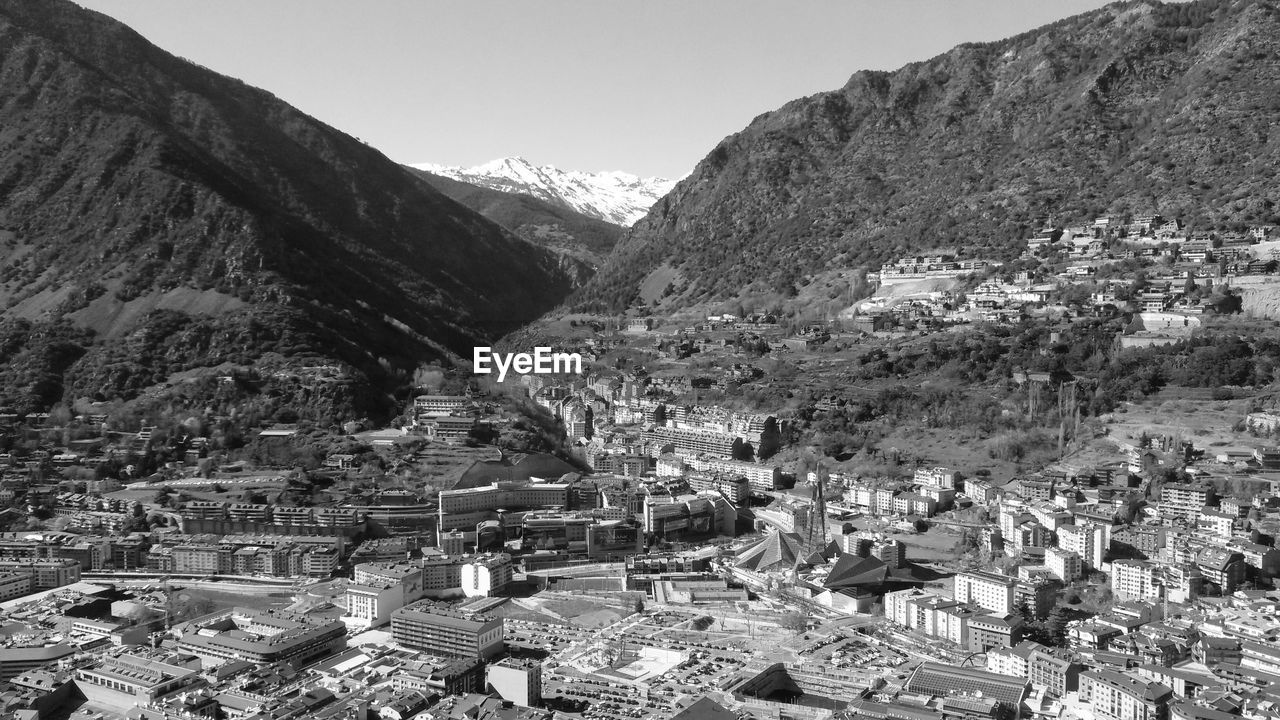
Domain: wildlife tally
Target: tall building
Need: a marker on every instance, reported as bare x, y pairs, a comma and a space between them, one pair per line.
1135, 580
761, 478
486, 575
690, 442
1184, 501
916, 608
1116, 696
465, 508
737, 489
1262, 657
697, 516
1223, 567
1089, 541
937, 476
1143, 540
890, 551
14, 585
46, 574
517, 681
379, 589
1053, 670
1038, 594
453, 542
994, 631
1064, 564
991, 591
441, 574
430, 406
444, 631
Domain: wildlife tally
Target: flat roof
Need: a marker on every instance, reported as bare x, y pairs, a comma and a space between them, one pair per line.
948, 680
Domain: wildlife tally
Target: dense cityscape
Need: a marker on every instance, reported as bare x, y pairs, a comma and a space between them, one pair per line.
680, 559
952, 393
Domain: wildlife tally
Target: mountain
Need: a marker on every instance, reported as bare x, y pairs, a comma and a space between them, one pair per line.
157, 219
1134, 108
615, 197
583, 242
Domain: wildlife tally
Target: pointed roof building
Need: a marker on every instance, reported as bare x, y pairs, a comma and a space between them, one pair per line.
778, 551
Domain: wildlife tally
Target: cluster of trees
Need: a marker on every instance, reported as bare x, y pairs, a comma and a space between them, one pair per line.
34, 357
854, 425
1051, 630
1086, 352
1210, 360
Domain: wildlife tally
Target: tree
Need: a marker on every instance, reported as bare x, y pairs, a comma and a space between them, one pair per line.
59, 415
795, 622
660, 415
1024, 610
1055, 626
432, 378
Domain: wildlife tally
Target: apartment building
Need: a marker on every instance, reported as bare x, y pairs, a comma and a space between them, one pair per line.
1089, 541
991, 591
1135, 580
448, 632
1113, 695
1065, 565
463, 509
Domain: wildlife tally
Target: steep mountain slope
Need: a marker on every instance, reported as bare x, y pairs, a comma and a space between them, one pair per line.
584, 241
616, 197
1137, 107
189, 220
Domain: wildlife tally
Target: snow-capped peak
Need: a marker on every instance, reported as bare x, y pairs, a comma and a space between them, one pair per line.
616, 197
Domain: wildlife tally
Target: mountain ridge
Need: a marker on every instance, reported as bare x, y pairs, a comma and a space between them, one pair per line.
1136, 107
617, 197
581, 241
127, 173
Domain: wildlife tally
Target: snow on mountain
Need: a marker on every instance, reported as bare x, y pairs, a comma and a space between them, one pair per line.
615, 197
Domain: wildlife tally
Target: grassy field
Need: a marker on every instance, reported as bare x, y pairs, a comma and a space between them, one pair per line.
194, 602
938, 544
584, 611
522, 609
1203, 423
961, 450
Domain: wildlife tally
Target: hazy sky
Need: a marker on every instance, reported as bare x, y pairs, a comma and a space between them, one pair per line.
646, 86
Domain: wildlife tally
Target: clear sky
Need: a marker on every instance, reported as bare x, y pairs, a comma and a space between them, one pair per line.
645, 86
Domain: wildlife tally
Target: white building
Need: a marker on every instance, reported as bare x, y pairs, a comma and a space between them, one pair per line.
1134, 580
486, 575
992, 591
939, 476
1066, 565
379, 589
1089, 541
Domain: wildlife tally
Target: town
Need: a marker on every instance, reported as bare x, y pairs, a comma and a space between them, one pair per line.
730, 520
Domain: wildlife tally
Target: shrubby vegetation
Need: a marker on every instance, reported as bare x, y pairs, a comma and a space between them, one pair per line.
978, 381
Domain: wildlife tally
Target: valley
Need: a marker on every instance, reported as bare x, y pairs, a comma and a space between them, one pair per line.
950, 393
